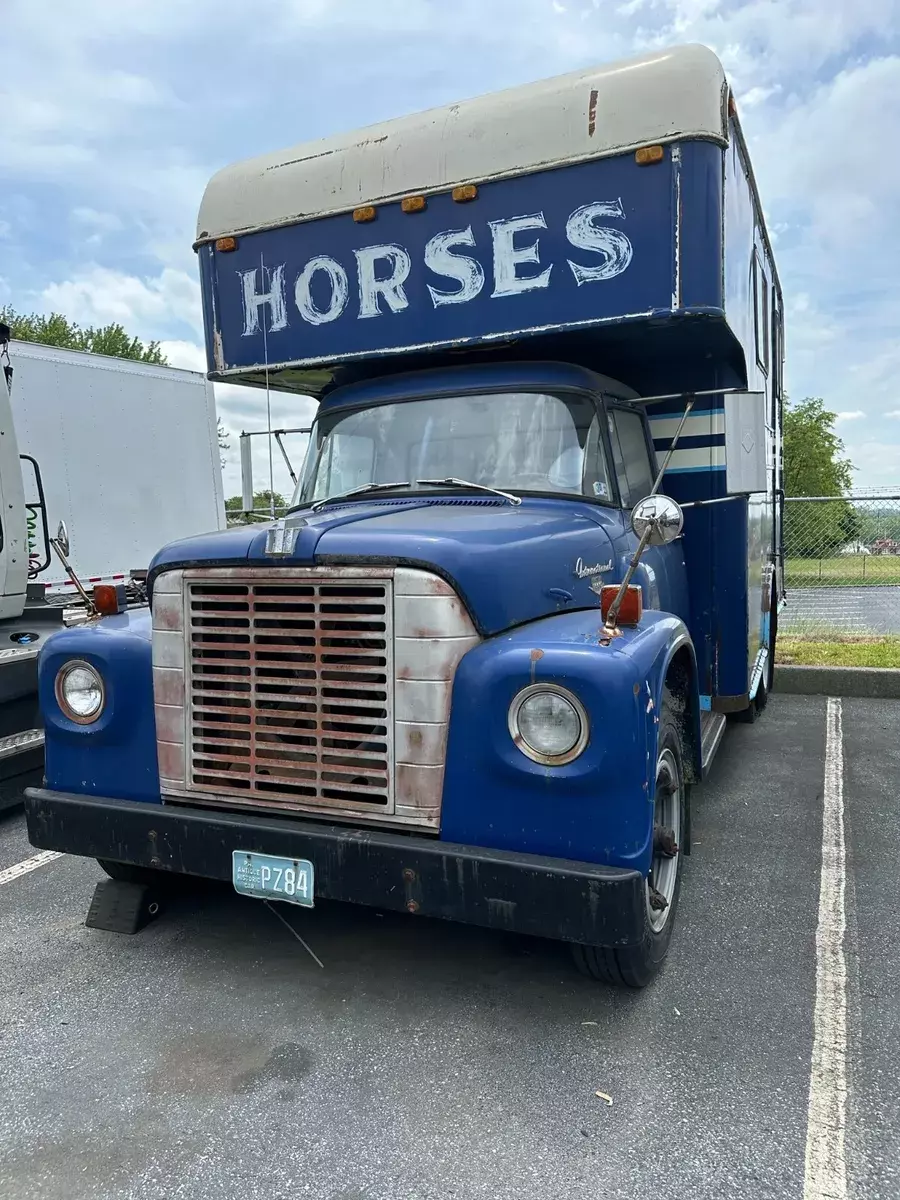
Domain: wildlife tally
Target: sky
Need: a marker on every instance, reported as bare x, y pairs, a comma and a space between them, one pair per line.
116, 113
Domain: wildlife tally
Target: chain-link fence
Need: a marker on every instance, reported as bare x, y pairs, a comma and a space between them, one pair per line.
842, 564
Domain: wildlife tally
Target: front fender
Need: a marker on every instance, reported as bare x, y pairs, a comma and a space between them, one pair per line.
598, 808
116, 755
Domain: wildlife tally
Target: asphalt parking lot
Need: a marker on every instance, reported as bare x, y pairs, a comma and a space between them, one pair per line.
863, 610
210, 1056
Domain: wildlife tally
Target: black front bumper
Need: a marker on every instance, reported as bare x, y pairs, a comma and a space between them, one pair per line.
544, 897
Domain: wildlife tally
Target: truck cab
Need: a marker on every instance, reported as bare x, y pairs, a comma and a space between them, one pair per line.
532, 559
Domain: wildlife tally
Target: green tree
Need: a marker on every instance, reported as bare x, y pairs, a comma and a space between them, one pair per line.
813, 453
58, 330
262, 505
814, 465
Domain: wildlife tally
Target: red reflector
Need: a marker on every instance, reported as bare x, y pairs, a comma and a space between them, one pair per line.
109, 599
632, 608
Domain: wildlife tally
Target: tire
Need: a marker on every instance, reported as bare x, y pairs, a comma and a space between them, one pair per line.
761, 699
773, 642
748, 715
635, 966
128, 873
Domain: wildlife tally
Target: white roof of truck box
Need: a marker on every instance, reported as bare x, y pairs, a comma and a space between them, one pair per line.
673, 94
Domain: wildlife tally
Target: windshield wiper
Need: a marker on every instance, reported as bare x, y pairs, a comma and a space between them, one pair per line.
358, 491
450, 481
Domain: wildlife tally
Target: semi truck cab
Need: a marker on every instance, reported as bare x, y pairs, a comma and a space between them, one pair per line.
532, 559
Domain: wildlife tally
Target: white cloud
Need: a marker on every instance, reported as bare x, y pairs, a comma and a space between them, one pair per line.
895, 412
189, 356
149, 305
103, 222
856, 415
757, 95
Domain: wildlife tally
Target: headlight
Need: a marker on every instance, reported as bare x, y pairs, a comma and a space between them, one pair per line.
80, 692
548, 724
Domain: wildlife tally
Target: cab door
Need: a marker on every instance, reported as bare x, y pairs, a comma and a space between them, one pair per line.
662, 573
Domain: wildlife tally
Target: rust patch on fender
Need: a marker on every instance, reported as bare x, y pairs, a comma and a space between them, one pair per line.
536, 656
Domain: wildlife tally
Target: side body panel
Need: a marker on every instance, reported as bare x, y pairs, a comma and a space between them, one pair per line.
730, 548
128, 454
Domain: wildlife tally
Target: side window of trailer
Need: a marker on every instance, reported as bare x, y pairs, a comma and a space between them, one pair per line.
631, 455
761, 312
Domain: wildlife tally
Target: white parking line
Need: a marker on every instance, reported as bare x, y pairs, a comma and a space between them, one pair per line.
825, 1176
8, 874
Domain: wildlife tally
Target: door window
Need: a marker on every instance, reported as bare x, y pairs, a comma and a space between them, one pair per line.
631, 455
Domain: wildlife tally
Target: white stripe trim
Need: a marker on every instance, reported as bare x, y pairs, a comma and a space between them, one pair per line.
28, 865
825, 1173
703, 458
704, 425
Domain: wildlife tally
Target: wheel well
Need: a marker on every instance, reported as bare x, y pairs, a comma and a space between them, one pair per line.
681, 693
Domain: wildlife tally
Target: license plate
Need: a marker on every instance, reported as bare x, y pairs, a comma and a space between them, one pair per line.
268, 877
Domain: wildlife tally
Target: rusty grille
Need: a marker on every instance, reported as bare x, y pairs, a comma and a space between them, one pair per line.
290, 691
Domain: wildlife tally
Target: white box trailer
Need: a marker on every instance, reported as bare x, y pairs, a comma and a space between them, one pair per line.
128, 453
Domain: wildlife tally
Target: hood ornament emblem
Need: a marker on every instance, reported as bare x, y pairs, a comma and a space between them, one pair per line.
281, 539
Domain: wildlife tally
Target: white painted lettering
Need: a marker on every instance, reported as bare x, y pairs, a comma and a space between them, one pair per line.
340, 290
508, 257
468, 272
584, 234
254, 300
371, 288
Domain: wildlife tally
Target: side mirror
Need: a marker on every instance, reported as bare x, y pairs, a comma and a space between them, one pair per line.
661, 516
62, 538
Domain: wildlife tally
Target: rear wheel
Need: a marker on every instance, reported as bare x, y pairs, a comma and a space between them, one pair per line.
767, 679
634, 966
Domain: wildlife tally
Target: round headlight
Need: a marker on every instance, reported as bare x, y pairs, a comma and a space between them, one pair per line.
548, 724
79, 692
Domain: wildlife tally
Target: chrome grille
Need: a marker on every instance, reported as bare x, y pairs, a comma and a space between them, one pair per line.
290, 689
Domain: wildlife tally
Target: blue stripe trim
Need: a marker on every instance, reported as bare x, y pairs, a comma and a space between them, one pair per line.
701, 441
691, 470
706, 703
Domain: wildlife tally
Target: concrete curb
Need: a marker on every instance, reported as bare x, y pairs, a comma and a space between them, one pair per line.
880, 683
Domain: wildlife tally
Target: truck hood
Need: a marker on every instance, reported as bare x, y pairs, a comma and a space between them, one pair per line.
509, 564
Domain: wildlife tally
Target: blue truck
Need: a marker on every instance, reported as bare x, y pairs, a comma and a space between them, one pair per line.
533, 560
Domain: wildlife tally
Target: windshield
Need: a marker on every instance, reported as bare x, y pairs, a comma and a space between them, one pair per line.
515, 441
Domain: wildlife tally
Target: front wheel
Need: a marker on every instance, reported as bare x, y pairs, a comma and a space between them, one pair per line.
634, 966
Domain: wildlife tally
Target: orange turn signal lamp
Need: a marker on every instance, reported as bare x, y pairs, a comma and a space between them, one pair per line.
632, 608
225, 244
467, 191
409, 204
109, 599
649, 154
